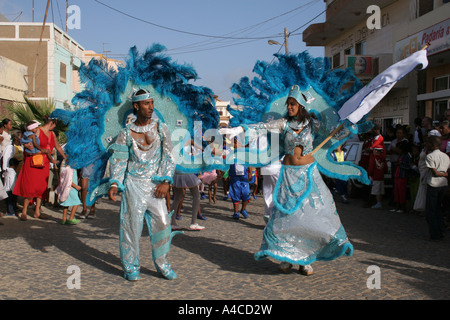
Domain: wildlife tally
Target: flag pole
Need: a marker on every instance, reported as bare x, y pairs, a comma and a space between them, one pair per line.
342, 124
328, 138
426, 46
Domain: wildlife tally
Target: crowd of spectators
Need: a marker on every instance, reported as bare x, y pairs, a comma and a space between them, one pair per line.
407, 154
26, 158
408, 151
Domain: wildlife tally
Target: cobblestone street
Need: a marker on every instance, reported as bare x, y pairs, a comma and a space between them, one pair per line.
217, 263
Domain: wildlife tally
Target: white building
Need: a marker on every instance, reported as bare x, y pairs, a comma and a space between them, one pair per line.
221, 107
13, 82
51, 56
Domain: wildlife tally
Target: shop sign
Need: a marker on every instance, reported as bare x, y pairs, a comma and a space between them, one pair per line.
438, 36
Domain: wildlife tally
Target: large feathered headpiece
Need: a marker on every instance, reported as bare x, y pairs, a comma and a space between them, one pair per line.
322, 91
103, 106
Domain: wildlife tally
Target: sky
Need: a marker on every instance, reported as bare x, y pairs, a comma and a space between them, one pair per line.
222, 40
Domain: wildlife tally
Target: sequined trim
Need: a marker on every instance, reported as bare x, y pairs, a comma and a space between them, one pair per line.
142, 129
338, 246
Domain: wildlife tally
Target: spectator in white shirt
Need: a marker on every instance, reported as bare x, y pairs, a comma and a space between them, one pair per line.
437, 186
10, 181
6, 133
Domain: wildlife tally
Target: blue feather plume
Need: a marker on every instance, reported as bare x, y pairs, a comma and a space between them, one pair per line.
105, 87
272, 82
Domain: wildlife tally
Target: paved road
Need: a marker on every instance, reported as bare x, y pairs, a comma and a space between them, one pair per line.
217, 263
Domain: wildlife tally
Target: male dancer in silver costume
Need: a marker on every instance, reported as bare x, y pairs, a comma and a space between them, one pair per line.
142, 166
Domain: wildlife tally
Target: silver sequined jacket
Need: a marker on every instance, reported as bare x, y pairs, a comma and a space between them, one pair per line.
131, 159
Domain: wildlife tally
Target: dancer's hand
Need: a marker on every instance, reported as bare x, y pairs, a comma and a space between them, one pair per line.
161, 190
306, 159
112, 193
231, 132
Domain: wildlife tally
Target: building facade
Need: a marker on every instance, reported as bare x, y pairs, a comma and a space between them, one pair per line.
13, 83
351, 39
221, 107
51, 56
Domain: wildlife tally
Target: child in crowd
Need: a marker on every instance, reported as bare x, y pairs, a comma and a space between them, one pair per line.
377, 169
10, 181
225, 175
378, 139
201, 188
420, 198
239, 187
226, 184
28, 146
32, 128
67, 192
414, 177
253, 175
341, 185
210, 179
401, 177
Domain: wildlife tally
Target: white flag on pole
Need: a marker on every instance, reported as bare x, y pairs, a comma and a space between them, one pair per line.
365, 99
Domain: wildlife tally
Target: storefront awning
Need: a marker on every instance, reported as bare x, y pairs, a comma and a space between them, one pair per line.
442, 94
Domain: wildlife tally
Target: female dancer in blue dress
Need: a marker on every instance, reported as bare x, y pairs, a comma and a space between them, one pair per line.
304, 226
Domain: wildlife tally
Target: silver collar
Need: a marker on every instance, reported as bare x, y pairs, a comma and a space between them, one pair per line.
295, 125
142, 129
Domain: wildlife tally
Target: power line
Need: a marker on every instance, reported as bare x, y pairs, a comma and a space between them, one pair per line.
308, 22
240, 31
59, 13
205, 44
283, 22
182, 31
16, 15
218, 47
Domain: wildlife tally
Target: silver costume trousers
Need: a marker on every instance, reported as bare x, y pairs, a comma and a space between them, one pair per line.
139, 203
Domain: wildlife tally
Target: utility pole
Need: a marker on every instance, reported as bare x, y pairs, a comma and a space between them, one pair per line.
105, 52
286, 40
67, 14
38, 46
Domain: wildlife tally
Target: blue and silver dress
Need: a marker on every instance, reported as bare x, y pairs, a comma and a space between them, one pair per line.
304, 226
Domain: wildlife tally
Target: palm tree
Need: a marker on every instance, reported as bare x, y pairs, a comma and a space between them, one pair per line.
24, 113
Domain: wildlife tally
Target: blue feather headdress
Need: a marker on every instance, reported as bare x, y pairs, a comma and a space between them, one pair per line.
325, 91
103, 106
274, 81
